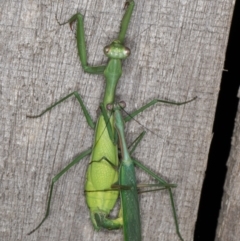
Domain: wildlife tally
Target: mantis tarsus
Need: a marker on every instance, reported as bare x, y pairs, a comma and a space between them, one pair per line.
102, 171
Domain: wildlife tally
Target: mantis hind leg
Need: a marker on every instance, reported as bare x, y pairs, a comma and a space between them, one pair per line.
164, 185
75, 161
85, 111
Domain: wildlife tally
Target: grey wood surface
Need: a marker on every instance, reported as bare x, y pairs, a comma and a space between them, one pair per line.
228, 222
178, 50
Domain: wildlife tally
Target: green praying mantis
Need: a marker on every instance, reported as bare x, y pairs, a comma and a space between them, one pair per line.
103, 171
129, 213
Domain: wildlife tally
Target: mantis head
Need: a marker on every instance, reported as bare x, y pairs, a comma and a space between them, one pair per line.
116, 50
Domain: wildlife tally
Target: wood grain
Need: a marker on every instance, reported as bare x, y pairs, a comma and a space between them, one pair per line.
178, 50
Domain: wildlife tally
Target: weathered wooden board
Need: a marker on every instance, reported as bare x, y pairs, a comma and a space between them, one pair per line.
178, 50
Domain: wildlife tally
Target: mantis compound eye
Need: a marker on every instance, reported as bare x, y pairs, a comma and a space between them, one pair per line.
109, 106
122, 104
127, 51
106, 49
